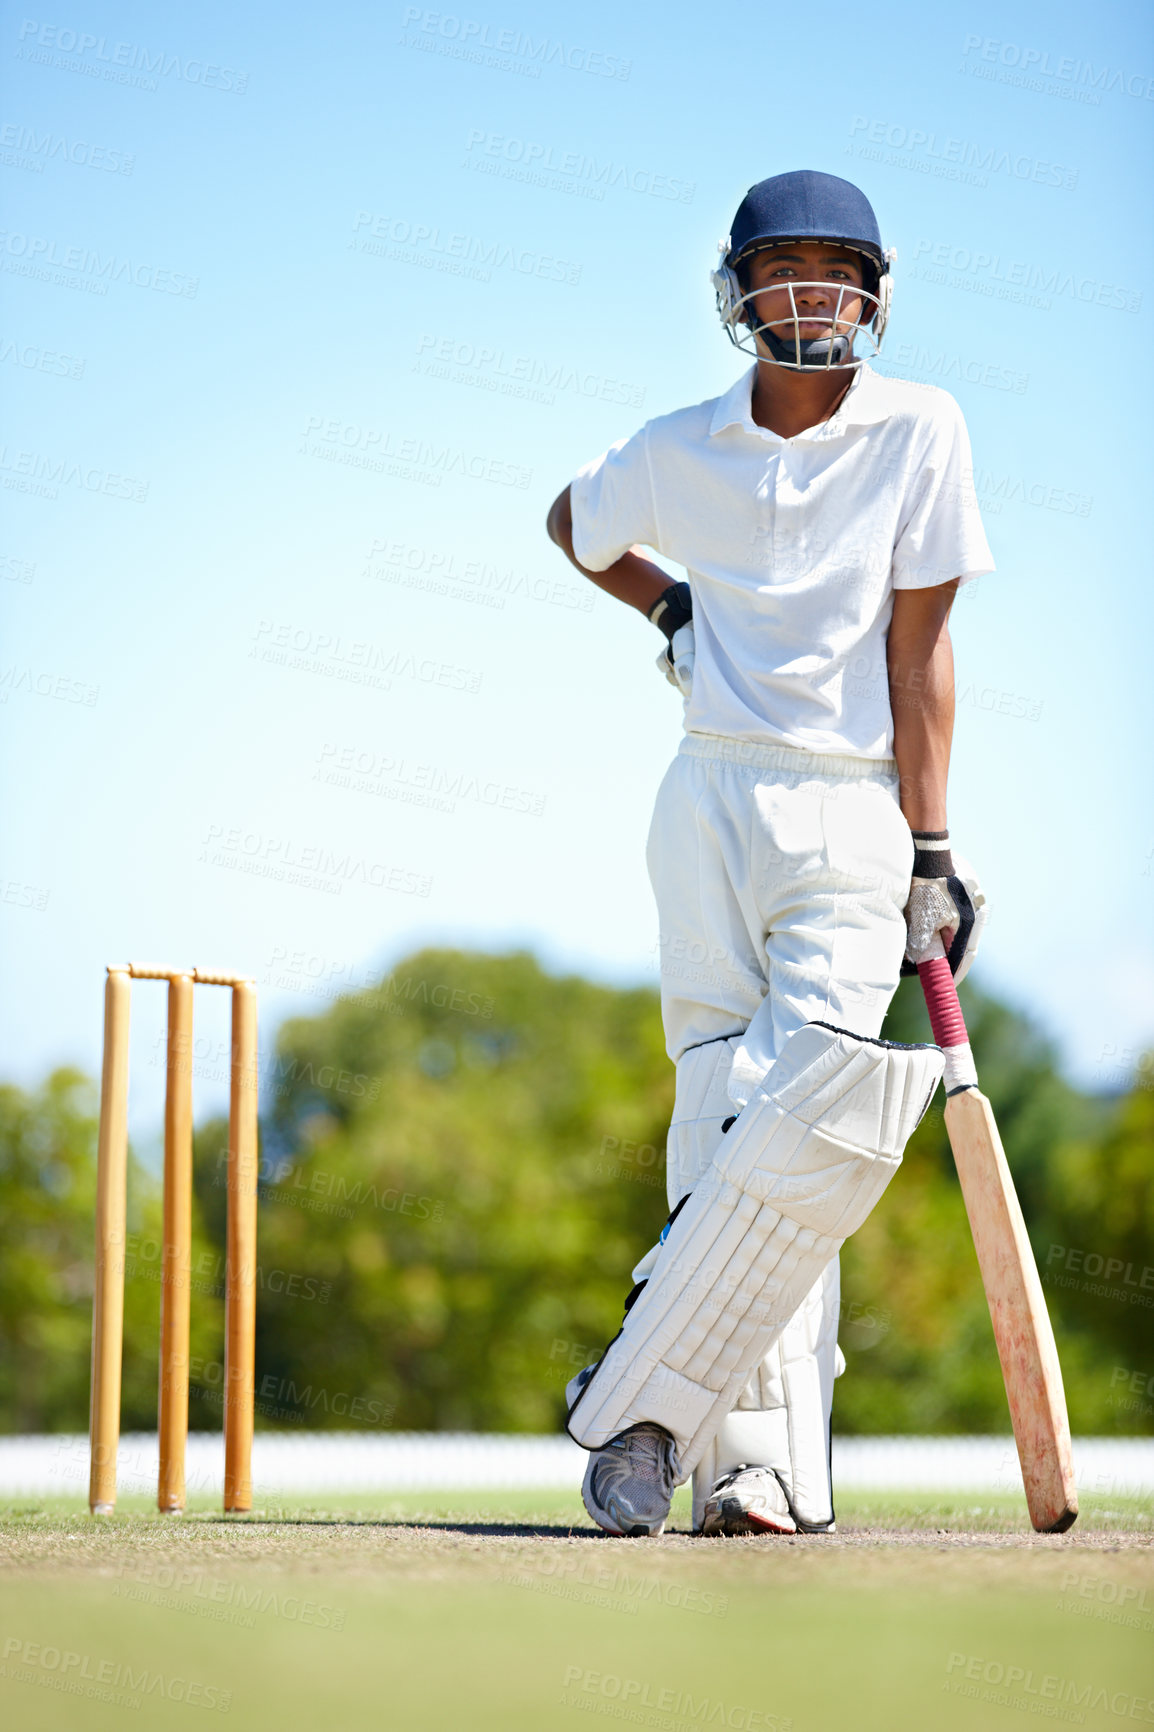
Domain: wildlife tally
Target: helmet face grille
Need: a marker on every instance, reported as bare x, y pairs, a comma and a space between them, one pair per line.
781, 342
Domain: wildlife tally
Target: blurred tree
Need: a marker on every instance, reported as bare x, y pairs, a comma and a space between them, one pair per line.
1095, 1246
47, 1213
915, 1325
459, 1169
46, 1202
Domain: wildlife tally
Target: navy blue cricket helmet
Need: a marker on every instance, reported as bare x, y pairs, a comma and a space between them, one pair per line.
804, 205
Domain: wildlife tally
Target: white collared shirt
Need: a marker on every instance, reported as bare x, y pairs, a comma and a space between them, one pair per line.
793, 549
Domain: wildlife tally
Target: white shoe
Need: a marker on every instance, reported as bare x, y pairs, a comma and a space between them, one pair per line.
629, 1483
750, 1500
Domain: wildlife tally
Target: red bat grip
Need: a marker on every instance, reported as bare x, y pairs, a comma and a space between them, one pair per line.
946, 1019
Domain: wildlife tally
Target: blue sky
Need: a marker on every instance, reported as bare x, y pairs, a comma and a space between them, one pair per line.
309, 316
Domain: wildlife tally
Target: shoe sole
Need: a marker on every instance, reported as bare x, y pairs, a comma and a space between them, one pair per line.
731, 1518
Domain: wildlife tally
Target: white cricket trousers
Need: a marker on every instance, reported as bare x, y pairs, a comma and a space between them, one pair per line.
780, 879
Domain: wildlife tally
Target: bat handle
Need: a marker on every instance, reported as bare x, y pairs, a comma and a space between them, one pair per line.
946, 1019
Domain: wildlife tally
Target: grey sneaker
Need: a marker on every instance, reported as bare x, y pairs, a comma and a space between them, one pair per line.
629, 1482
750, 1500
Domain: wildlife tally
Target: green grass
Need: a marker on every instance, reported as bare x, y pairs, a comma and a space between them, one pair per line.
499, 1613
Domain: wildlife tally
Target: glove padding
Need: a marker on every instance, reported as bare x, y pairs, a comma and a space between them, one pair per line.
954, 906
676, 659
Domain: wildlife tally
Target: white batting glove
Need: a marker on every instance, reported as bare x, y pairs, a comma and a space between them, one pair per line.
930, 910
676, 660
672, 613
945, 898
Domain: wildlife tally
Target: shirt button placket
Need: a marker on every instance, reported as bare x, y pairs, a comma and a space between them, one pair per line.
781, 489
766, 519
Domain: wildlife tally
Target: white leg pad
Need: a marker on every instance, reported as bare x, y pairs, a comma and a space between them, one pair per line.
797, 1173
782, 1417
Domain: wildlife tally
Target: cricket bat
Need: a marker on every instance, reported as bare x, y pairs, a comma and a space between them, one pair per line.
1030, 1368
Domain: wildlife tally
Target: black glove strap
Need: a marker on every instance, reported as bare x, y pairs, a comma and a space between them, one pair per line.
672, 609
966, 918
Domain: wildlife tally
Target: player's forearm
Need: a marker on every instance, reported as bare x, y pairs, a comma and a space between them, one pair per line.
632, 579
921, 680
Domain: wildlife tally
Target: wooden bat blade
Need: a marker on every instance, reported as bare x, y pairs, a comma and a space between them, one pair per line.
1025, 1340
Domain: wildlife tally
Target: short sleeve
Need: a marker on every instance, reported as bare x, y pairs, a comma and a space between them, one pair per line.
941, 535
612, 504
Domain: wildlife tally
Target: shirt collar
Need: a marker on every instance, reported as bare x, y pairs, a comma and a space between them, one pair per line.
867, 401
733, 408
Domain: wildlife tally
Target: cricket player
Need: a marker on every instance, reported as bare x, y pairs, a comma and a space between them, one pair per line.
825, 517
